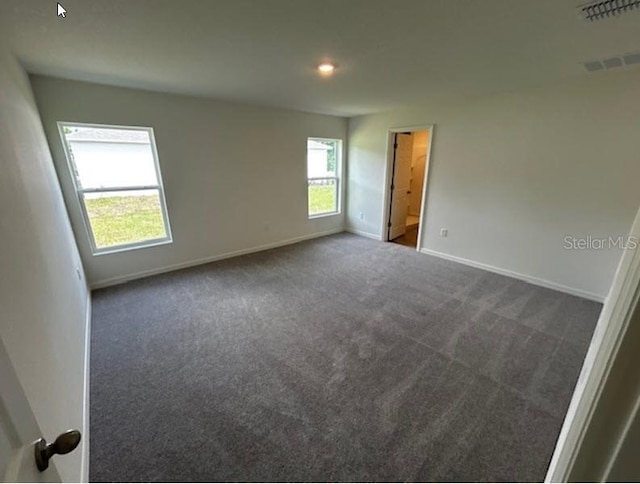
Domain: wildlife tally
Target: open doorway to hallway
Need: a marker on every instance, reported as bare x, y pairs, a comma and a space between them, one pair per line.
409, 160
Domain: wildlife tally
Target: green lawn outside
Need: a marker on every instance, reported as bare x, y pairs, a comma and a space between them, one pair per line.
122, 220
322, 199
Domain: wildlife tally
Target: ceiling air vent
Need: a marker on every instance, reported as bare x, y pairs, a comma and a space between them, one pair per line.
593, 66
631, 59
603, 9
612, 62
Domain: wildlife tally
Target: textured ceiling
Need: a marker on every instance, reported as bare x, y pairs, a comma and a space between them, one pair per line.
390, 53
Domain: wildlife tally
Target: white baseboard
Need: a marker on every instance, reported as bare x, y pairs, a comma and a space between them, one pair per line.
228, 255
363, 234
517, 275
84, 462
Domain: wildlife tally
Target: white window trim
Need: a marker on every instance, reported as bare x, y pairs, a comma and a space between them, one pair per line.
79, 192
337, 178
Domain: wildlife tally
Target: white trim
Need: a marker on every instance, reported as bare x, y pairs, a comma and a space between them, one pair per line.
84, 463
183, 265
107, 141
324, 214
423, 202
133, 246
140, 188
389, 176
517, 275
79, 192
612, 326
339, 176
363, 233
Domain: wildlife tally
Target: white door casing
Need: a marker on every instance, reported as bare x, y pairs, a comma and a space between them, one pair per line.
591, 389
401, 185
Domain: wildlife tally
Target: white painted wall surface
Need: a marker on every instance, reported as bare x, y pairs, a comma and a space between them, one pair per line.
512, 174
43, 301
235, 176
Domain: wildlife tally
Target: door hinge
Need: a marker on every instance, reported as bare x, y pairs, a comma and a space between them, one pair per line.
395, 146
389, 224
392, 187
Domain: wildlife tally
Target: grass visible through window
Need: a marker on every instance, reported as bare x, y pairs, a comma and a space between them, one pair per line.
322, 199
118, 220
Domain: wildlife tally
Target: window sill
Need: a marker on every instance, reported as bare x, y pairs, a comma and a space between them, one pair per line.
127, 248
322, 215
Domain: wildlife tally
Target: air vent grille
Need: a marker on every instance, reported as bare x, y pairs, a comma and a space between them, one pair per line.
593, 66
627, 60
612, 63
604, 9
631, 59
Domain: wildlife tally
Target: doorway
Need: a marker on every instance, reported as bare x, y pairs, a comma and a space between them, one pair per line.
408, 168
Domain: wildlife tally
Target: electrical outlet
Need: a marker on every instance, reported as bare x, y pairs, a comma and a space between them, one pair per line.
361, 216
444, 232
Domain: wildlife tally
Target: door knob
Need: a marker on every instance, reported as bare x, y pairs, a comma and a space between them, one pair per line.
65, 443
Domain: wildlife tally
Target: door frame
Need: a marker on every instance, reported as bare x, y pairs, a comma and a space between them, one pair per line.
618, 310
386, 210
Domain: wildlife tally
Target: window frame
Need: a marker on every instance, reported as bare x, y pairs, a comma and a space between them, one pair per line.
337, 177
79, 192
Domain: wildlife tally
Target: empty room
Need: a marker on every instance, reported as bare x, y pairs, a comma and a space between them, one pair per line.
319, 241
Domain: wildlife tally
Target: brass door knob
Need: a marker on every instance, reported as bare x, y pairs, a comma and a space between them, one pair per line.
65, 443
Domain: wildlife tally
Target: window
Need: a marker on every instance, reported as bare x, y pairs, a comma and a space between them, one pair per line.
323, 168
117, 179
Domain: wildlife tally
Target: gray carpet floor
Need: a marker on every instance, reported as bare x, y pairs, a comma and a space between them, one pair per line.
337, 359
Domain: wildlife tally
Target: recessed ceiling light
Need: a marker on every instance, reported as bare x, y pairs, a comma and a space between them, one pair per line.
326, 68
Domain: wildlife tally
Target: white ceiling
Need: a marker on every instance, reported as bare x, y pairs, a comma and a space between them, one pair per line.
391, 53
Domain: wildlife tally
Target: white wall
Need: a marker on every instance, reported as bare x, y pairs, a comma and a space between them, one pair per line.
234, 175
512, 174
43, 300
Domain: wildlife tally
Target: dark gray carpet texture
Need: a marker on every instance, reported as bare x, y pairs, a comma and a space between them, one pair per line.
336, 359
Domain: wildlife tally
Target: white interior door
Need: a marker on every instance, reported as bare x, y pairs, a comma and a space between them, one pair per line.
401, 185
18, 431
44, 298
